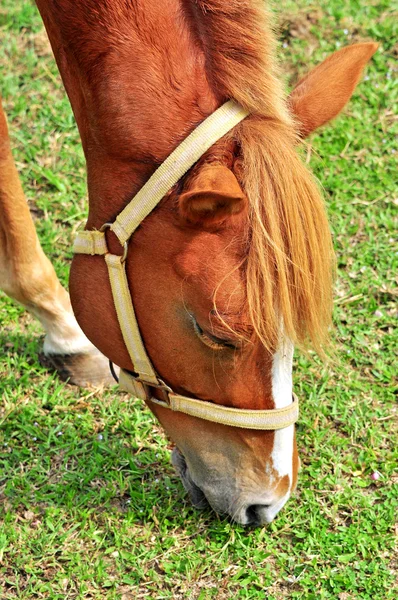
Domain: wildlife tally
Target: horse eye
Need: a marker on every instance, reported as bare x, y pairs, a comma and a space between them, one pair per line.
209, 339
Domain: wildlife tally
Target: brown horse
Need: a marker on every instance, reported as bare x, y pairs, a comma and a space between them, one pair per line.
235, 265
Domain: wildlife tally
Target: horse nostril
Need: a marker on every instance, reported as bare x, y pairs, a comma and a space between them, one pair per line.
253, 513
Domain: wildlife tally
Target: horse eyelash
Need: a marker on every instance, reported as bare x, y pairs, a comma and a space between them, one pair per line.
209, 341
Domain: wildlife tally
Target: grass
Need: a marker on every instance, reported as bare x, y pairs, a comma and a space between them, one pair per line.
90, 505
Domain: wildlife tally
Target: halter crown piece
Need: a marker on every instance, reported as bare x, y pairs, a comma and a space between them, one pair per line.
145, 379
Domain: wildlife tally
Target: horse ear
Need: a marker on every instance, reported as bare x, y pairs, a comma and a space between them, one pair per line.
211, 197
323, 93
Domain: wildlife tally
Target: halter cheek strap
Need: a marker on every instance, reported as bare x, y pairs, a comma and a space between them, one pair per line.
94, 243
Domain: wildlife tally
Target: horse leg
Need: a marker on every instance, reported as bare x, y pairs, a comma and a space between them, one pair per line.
27, 276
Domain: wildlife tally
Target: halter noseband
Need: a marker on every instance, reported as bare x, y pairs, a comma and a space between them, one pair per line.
145, 379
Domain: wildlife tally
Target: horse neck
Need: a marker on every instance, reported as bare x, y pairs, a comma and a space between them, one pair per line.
137, 83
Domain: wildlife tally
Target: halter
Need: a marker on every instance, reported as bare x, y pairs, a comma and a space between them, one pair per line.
145, 379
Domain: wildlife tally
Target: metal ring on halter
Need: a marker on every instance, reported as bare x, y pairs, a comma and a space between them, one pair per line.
123, 258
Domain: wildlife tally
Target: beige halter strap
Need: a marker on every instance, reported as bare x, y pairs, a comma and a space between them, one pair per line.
94, 243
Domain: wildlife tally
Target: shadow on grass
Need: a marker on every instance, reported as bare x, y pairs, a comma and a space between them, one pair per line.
107, 476
72, 449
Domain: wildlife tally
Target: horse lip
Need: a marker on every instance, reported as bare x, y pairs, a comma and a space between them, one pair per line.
196, 495
264, 515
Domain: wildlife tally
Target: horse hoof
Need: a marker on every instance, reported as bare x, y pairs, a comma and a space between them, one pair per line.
84, 369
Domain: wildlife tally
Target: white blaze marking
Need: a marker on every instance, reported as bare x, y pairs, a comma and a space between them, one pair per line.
282, 387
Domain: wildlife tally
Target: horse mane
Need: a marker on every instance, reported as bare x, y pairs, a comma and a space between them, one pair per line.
289, 263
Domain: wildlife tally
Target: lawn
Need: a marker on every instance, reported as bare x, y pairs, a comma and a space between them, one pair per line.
90, 505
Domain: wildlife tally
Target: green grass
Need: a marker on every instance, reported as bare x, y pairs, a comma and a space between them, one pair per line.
90, 505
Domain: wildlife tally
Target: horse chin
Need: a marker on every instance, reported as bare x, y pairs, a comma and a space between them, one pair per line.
196, 495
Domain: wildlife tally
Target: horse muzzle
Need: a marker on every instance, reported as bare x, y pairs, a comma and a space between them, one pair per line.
245, 509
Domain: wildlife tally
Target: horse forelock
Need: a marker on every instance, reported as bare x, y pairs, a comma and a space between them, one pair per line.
289, 260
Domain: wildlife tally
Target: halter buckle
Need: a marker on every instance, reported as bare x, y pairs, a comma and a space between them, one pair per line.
125, 246
163, 388
142, 389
